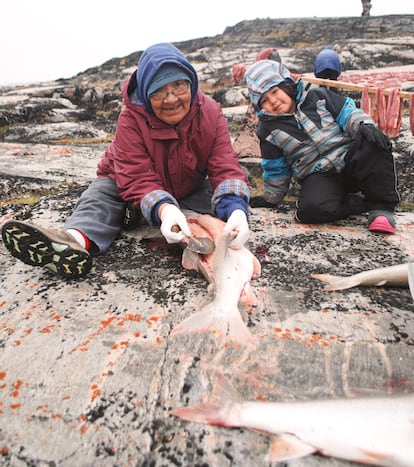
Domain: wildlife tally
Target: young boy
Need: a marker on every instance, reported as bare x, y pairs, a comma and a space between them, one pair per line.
322, 140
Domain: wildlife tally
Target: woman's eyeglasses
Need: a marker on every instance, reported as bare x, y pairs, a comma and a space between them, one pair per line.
180, 89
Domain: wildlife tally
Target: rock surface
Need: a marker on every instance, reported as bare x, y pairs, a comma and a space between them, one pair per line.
89, 370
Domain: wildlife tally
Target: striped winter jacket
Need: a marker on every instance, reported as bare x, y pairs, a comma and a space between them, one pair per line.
315, 138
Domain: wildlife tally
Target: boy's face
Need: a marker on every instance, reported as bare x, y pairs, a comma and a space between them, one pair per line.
276, 101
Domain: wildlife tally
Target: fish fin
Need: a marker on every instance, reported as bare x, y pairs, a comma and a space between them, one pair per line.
336, 282
248, 296
257, 267
194, 261
224, 391
190, 259
210, 319
375, 458
285, 447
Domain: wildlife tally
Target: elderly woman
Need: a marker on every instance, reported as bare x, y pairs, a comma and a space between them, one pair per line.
171, 151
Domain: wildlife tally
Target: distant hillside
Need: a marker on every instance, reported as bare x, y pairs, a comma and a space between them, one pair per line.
88, 104
306, 36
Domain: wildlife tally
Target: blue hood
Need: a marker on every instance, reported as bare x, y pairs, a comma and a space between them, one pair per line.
150, 62
327, 58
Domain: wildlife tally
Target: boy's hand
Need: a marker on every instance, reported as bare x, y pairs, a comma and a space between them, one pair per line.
371, 134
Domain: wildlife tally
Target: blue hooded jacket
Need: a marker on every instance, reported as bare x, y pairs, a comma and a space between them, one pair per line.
151, 61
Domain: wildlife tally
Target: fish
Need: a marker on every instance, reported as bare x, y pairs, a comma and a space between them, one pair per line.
229, 273
377, 430
390, 276
411, 278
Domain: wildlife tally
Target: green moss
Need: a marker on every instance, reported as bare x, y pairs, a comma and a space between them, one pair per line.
4, 129
32, 197
406, 207
67, 141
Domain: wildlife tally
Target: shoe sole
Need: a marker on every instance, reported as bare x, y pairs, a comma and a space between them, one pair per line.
33, 247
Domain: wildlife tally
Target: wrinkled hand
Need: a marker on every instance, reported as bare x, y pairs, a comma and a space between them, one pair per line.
237, 222
260, 202
373, 135
172, 216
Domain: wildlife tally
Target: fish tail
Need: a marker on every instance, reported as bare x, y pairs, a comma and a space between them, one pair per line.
337, 282
210, 413
212, 318
217, 410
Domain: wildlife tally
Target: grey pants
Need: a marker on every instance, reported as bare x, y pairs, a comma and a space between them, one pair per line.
100, 211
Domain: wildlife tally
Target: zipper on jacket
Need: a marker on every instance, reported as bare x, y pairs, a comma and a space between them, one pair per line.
298, 123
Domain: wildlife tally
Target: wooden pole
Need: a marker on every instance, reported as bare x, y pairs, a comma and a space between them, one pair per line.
351, 86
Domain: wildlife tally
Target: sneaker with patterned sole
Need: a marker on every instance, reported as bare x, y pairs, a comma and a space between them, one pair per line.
381, 221
53, 249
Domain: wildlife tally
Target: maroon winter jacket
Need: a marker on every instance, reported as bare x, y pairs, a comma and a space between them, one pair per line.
150, 159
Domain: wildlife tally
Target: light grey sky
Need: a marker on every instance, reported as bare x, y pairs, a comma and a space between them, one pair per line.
43, 40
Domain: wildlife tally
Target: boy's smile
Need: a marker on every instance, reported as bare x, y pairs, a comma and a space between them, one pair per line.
276, 101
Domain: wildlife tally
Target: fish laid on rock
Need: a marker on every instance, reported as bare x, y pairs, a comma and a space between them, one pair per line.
411, 278
391, 276
370, 430
229, 272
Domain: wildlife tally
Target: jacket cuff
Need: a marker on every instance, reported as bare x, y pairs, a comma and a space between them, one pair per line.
230, 187
150, 203
230, 203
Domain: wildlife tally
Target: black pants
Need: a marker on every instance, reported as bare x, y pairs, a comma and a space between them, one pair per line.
325, 197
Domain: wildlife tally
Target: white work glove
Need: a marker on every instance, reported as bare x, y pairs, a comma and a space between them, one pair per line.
237, 222
171, 216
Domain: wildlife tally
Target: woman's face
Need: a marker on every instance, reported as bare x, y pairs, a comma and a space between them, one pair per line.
172, 102
276, 101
